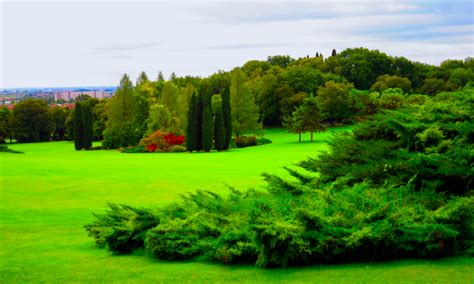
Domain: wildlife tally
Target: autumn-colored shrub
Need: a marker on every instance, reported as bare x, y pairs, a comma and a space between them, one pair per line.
245, 141
174, 139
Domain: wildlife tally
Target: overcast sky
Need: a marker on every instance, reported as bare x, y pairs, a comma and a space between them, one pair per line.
85, 43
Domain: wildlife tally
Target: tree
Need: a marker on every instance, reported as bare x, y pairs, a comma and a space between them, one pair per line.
294, 124
78, 127
244, 110
334, 101
87, 121
227, 118
333, 53
308, 116
31, 121
100, 119
191, 131
5, 125
362, 66
142, 79
386, 81
121, 128
207, 126
160, 77
58, 117
199, 120
219, 129
159, 119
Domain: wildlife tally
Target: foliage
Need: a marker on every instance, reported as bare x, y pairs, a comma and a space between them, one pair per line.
191, 131
398, 186
227, 117
31, 121
78, 133
386, 81
121, 128
207, 127
263, 141
219, 130
306, 118
245, 141
334, 101
121, 229
6, 124
177, 149
244, 110
58, 116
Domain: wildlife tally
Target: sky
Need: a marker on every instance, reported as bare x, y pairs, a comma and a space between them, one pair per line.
90, 43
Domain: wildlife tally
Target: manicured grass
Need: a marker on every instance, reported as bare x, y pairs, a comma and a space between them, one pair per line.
49, 193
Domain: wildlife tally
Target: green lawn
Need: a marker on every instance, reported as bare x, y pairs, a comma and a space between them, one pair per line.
49, 193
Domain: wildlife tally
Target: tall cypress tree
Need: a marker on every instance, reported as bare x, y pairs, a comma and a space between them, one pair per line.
87, 131
219, 130
78, 127
227, 118
199, 120
191, 130
207, 126
333, 53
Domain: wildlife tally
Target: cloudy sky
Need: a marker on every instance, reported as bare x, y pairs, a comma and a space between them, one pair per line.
85, 43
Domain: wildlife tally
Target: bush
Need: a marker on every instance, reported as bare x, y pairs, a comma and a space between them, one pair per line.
95, 148
245, 141
132, 149
263, 141
177, 149
122, 228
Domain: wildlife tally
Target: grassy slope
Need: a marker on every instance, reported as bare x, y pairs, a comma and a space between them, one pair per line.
48, 194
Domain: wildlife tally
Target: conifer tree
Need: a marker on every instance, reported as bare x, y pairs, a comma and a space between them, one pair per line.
207, 126
191, 128
227, 119
78, 127
334, 53
199, 120
87, 131
219, 130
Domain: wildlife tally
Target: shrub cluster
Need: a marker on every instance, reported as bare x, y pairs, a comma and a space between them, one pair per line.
158, 142
245, 141
399, 186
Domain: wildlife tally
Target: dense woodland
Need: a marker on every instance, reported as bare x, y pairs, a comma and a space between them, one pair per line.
304, 95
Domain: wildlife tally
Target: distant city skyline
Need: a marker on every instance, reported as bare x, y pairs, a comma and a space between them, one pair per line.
84, 43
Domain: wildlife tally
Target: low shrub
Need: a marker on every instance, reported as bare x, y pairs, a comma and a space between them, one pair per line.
177, 149
122, 228
245, 141
93, 148
133, 149
263, 141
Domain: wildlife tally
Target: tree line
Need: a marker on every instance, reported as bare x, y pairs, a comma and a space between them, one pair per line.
302, 94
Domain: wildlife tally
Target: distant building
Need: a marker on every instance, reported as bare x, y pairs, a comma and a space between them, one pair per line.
72, 95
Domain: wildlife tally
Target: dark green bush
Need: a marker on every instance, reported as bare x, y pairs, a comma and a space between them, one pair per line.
263, 141
122, 228
245, 141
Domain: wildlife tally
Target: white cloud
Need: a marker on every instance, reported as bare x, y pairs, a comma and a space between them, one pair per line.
89, 43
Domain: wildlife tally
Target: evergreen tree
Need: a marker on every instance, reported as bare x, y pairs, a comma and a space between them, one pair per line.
160, 77
244, 110
227, 118
199, 120
78, 127
121, 128
87, 130
333, 53
207, 126
191, 131
219, 130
